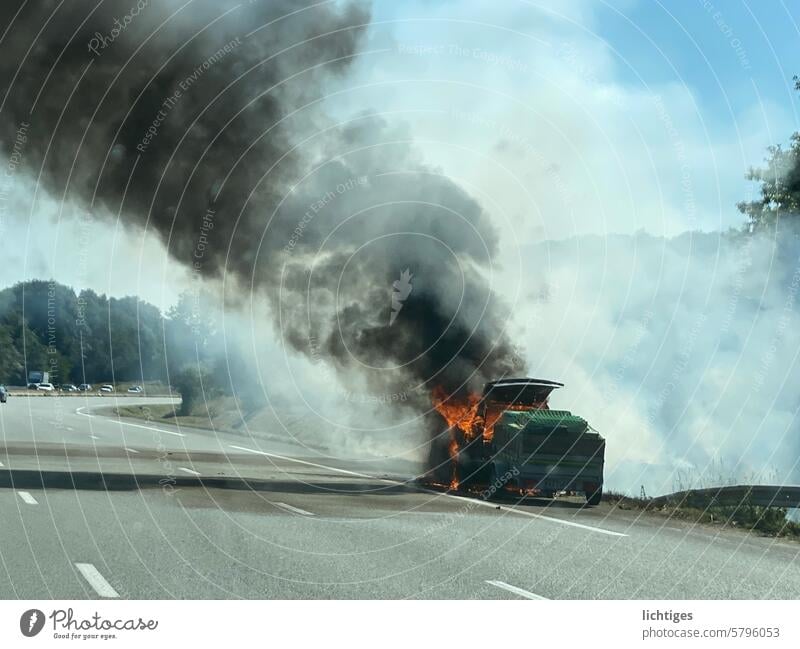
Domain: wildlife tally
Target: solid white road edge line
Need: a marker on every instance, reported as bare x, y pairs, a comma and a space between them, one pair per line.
513, 589
27, 498
189, 471
521, 512
125, 423
96, 580
295, 510
481, 503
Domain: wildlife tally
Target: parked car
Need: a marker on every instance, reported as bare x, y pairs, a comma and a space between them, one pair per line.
3, 394
135, 389
106, 388
46, 387
85, 387
68, 387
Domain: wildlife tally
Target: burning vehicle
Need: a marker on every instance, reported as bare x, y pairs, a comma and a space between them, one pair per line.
510, 431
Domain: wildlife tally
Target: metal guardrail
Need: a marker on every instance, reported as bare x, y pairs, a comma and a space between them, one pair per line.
761, 495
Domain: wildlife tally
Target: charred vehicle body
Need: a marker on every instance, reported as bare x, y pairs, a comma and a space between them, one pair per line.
509, 438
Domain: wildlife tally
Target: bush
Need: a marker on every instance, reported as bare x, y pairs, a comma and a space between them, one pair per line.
190, 381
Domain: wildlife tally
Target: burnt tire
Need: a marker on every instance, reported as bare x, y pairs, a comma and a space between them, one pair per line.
595, 498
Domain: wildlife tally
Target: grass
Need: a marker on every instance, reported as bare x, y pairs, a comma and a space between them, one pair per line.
219, 413
768, 521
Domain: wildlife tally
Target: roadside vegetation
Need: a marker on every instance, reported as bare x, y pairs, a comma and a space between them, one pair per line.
86, 337
768, 521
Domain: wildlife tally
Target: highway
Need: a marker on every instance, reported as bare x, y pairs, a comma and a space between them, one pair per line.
94, 507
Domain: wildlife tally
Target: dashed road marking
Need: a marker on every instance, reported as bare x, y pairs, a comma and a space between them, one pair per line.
514, 589
96, 580
295, 510
189, 471
27, 498
130, 450
94, 436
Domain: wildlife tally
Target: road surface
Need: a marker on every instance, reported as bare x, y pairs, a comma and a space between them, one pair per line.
92, 506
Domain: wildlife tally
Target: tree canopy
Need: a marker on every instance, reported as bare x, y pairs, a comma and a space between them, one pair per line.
779, 194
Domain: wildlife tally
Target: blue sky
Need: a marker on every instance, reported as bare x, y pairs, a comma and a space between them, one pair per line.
725, 51
641, 92
562, 120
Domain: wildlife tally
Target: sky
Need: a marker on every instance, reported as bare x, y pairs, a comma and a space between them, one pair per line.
562, 118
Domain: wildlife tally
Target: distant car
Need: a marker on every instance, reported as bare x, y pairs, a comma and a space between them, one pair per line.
45, 387
135, 389
106, 388
68, 387
85, 387
3, 394
33, 386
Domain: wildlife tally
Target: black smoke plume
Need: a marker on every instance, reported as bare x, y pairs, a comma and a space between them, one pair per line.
205, 122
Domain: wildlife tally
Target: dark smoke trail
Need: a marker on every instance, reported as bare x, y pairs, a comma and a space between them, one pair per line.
202, 121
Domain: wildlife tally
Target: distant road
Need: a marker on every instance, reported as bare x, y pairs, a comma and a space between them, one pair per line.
94, 507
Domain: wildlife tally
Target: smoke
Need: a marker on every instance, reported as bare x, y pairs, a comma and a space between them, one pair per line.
682, 352
205, 123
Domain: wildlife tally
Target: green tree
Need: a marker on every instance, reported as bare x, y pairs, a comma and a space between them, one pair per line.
779, 194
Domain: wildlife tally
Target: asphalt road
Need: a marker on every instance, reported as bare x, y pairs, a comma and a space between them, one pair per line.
95, 507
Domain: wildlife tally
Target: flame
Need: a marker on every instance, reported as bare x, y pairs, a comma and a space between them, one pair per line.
459, 412
462, 414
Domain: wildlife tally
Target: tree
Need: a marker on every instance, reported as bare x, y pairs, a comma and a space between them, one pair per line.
191, 382
780, 184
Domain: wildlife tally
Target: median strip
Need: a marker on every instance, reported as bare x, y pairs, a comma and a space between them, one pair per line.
514, 589
96, 580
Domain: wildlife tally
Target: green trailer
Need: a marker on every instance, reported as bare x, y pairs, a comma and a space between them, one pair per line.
523, 447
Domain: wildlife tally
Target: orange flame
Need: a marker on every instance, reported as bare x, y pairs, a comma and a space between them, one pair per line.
461, 414
458, 412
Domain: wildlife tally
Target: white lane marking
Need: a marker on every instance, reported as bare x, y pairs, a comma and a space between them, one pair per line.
189, 471
295, 510
96, 580
514, 589
473, 501
130, 450
26, 497
125, 423
1, 464
94, 436
314, 464
522, 512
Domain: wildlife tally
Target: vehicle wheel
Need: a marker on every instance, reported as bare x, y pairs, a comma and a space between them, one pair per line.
595, 498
